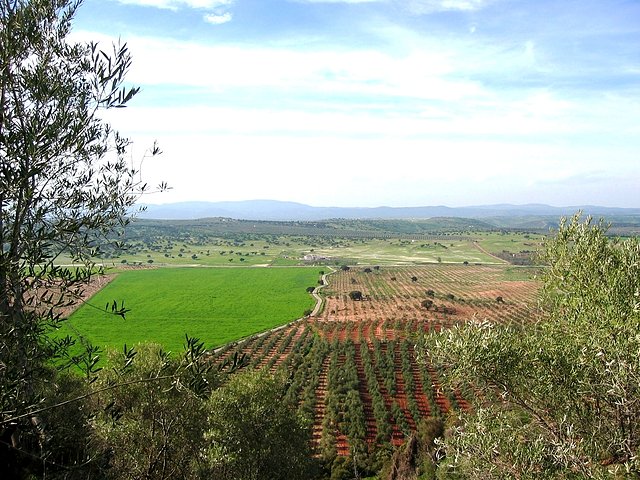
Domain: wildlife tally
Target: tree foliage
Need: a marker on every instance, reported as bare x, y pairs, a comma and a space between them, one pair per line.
66, 186
152, 422
569, 383
252, 434
355, 295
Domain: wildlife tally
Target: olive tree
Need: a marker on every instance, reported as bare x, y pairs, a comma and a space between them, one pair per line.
66, 188
252, 434
569, 382
152, 423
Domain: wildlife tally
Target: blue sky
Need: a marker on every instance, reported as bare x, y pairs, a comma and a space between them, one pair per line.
382, 102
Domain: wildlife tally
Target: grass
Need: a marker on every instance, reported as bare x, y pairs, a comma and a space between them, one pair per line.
409, 252
512, 242
217, 305
514, 273
271, 250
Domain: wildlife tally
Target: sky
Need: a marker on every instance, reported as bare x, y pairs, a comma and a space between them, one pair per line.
381, 102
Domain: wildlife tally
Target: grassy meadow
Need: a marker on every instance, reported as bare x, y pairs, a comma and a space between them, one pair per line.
287, 251
398, 251
217, 305
512, 242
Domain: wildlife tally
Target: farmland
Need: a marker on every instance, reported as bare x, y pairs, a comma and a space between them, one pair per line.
283, 251
355, 370
225, 242
217, 305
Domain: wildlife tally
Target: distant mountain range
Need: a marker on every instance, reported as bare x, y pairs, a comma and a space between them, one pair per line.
274, 210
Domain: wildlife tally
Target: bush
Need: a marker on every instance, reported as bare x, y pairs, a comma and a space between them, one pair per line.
427, 304
253, 434
355, 295
140, 419
569, 382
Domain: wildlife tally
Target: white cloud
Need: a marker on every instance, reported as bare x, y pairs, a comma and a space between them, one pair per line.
281, 118
418, 6
175, 4
429, 6
218, 19
419, 74
325, 170
355, 93
340, 1
217, 8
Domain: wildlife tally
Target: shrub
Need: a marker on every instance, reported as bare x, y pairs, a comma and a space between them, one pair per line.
355, 295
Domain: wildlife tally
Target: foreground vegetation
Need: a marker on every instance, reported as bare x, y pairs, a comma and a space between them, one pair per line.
569, 383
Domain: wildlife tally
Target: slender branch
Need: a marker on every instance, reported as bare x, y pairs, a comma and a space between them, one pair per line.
86, 395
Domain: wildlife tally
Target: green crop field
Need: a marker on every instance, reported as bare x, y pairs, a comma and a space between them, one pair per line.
217, 305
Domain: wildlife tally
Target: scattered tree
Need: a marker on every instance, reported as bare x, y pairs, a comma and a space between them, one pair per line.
427, 304
355, 295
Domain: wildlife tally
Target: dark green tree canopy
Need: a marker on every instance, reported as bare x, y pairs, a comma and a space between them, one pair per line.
252, 434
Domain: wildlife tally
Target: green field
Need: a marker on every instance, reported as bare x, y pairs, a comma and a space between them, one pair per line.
512, 242
284, 251
217, 305
400, 251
